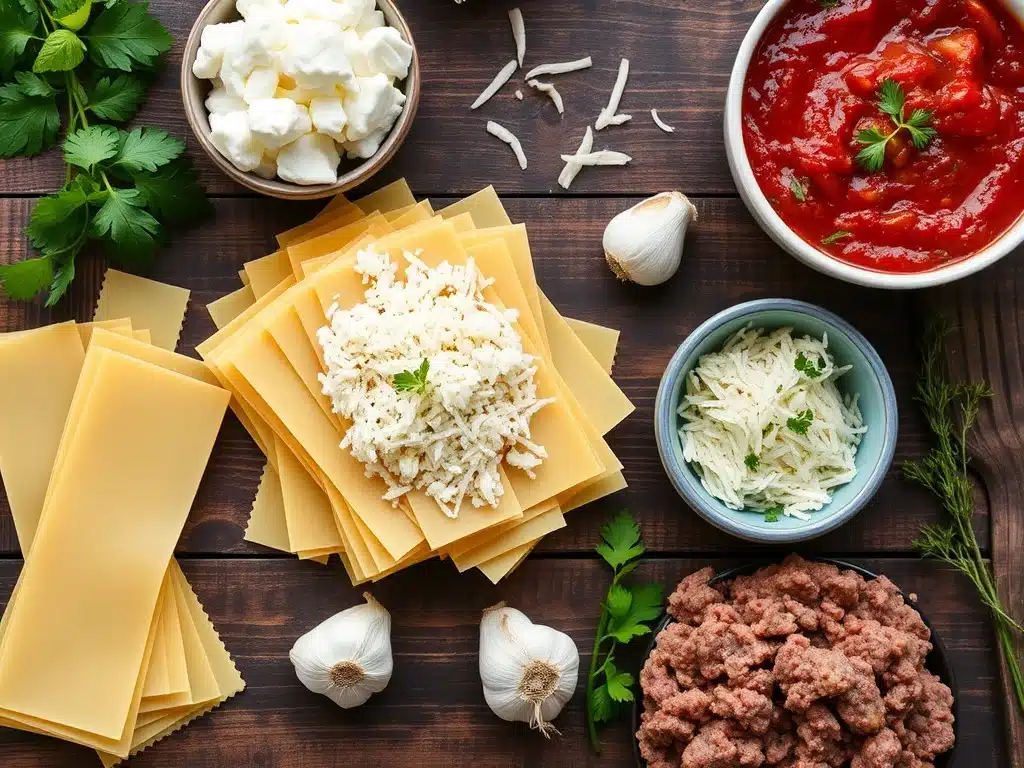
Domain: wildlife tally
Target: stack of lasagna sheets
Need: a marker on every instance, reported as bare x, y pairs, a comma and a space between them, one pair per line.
104, 438
315, 499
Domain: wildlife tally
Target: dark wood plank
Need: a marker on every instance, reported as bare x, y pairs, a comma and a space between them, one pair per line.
433, 712
728, 261
681, 55
988, 344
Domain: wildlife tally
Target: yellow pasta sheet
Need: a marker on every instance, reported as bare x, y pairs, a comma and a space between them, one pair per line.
40, 374
501, 566
156, 306
601, 342
388, 198
143, 335
123, 324
414, 214
323, 223
485, 208
599, 396
335, 240
267, 524
308, 513
542, 525
116, 461
166, 682
266, 273
227, 308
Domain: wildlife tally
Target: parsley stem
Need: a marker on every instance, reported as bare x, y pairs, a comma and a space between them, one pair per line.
602, 625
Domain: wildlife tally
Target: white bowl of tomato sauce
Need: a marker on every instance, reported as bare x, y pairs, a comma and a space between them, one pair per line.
882, 141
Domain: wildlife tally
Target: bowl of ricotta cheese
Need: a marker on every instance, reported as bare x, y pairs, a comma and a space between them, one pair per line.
776, 421
300, 99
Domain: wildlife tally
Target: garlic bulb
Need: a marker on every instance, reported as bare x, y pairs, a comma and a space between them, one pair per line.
645, 243
528, 671
347, 658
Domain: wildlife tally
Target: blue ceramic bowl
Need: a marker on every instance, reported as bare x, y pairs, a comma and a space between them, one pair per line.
868, 378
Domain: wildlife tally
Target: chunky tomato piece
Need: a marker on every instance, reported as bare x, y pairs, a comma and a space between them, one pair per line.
949, 184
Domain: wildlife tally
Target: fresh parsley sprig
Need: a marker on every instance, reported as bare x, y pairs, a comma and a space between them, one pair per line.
951, 411
891, 102
626, 613
807, 368
92, 60
412, 381
801, 422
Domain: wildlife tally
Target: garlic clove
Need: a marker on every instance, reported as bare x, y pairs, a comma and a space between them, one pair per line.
347, 658
644, 244
528, 671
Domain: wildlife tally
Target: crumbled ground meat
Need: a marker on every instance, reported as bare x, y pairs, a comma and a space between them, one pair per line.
799, 665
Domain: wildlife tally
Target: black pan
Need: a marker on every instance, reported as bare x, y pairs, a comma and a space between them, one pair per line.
937, 662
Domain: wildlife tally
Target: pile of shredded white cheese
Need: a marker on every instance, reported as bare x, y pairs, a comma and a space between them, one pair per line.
765, 426
450, 434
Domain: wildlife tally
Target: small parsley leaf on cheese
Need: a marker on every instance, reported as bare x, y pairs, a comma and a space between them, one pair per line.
772, 515
752, 462
807, 368
413, 381
801, 422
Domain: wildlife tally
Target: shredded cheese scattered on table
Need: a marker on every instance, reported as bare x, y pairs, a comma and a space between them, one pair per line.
449, 435
765, 425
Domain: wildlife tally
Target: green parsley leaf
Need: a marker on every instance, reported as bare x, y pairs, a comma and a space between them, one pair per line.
18, 22
58, 220
412, 381
799, 189
24, 279
87, 147
891, 102
828, 3
28, 124
806, 367
72, 14
645, 605
62, 278
890, 99
133, 233
32, 84
124, 36
801, 422
772, 515
601, 707
146, 149
62, 51
872, 157
173, 194
752, 462
618, 684
621, 541
619, 601
116, 99
835, 237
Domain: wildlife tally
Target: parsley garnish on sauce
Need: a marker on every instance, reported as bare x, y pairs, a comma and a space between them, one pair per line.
918, 125
807, 368
799, 189
801, 422
826, 4
412, 381
835, 237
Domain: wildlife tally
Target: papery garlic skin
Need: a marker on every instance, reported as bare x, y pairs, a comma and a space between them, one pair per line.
529, 671
644, 244
347, 658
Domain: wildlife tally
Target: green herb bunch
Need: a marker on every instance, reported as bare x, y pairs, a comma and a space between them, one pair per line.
626, 613
951, 411
91, 61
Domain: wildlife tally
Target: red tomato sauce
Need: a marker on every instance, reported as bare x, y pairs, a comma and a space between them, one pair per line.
813, 85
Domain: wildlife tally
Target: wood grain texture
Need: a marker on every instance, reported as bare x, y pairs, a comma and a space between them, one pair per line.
433, 714
988, 345
681, 55
729, 260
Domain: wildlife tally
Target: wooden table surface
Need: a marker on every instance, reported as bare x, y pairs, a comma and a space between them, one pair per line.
433, 713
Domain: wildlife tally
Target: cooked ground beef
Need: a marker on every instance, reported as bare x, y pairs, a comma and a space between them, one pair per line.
799, 665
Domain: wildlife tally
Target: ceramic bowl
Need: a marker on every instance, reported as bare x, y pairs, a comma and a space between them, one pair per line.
938, 662
868, 378
780, 232
350, 173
